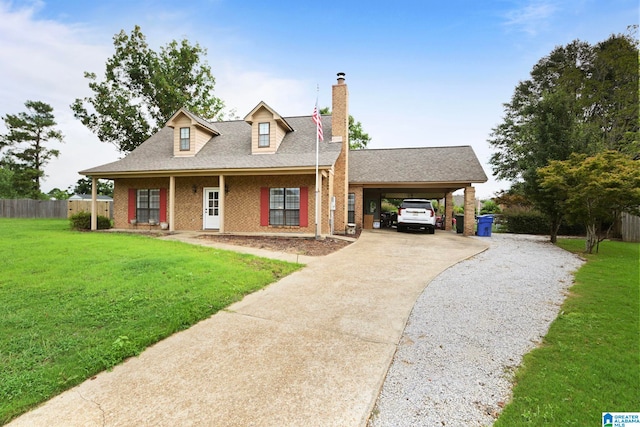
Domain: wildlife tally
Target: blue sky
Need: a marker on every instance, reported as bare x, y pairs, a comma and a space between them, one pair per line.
420, 73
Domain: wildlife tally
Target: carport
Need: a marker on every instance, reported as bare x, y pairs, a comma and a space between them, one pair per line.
421, 172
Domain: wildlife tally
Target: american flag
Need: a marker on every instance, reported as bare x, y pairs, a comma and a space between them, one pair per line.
318, 121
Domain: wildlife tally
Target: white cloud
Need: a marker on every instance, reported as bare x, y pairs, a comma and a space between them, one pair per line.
45, 61
43, 58
242, 89
531, 17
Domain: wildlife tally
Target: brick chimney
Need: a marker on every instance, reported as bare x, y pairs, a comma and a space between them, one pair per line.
340, 109
340, 128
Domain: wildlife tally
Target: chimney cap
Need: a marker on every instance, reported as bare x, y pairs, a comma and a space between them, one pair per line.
340, 76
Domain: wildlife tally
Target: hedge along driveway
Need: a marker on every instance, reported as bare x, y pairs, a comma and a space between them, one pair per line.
76, 303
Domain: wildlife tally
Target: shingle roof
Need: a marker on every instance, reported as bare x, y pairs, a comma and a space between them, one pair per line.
278, 118
230, 150
423, 164
202, 122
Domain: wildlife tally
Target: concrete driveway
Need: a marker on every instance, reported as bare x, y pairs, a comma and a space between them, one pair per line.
310, 350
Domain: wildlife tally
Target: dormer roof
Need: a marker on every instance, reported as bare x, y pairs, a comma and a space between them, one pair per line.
277, 117
195, 120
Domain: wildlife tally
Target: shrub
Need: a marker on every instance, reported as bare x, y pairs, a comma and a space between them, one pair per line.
534, 222
571, 229
388, 206
490, 207
82, 221
531, 222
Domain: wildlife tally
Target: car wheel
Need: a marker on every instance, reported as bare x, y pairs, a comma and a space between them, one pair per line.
432, 230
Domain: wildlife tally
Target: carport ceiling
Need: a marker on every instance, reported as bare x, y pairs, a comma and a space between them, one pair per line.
412, 192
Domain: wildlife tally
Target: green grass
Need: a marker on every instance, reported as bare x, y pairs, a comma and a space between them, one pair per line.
73, 304
589, 362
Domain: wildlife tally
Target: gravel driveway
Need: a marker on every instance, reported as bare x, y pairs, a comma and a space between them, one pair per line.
468, 332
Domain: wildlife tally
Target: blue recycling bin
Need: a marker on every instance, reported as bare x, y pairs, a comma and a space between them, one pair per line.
484, 225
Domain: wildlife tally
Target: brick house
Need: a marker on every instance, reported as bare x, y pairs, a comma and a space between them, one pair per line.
258, 175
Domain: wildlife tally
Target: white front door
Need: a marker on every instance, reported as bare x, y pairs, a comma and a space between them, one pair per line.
211, 208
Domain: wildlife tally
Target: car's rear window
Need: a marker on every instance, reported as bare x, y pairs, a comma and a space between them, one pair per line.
416, 204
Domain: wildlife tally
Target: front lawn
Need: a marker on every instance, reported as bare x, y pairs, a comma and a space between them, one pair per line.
589, 362
75, 303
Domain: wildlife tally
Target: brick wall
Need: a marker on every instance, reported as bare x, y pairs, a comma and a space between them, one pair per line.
189, 205
359, 209
448, 207
121, 197
469, 211
188, 209
242, 202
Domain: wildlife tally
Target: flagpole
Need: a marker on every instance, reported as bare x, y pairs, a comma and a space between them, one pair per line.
317, 162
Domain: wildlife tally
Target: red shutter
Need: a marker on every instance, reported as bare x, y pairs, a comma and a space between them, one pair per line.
304, 206
132, 204
264, 206
163, 205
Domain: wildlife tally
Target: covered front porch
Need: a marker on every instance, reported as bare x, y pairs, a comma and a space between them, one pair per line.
224, 202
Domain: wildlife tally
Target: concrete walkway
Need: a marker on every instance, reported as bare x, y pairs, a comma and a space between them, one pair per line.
310, 350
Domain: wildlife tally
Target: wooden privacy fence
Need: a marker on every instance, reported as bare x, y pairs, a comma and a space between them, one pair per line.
630, 228
103, 207
27, 208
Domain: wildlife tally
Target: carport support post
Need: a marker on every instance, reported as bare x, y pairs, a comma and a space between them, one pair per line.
469, 211
448, 210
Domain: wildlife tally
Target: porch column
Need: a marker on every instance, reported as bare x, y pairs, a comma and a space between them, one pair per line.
94, 204
469, 211
221, 203
172, 203
448, 210
330, 194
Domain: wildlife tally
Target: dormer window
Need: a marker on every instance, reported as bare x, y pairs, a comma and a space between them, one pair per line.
263, 135
190, 133
185, 144
268, 129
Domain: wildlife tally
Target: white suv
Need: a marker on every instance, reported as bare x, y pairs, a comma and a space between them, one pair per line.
417, 214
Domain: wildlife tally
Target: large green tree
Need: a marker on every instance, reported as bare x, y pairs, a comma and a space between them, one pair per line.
611, 95
58, 194
579, 99
142, 88
358, 138
84, 186
27, 154
594, 190
7, 189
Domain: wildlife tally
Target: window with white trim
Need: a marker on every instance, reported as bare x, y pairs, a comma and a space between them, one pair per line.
185, 142
148, 205
263, 135
284, 206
